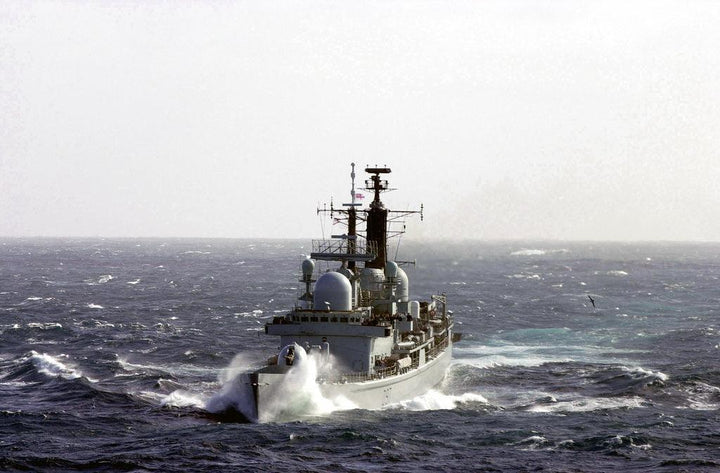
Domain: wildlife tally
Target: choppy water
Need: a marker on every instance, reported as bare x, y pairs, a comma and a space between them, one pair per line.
110, 351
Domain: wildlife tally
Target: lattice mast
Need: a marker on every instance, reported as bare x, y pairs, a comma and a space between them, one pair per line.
349, 247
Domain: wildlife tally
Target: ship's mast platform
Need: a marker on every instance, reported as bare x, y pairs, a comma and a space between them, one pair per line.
339, 250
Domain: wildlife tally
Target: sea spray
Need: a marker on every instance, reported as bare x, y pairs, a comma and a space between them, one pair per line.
297, 394
236, 391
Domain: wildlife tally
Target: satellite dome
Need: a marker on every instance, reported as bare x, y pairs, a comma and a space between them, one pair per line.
332, 291
308, 266
372, 279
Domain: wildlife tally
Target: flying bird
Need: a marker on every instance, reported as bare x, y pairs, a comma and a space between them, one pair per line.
592, 301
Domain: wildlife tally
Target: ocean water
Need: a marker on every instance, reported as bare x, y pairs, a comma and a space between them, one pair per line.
114, 352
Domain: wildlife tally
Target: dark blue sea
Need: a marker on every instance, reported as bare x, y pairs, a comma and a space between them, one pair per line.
111, 349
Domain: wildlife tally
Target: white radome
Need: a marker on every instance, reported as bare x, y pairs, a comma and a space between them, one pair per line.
332, 291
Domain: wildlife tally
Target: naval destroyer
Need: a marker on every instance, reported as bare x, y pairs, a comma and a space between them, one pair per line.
355, 327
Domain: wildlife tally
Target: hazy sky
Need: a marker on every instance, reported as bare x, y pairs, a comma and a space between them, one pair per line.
540, 119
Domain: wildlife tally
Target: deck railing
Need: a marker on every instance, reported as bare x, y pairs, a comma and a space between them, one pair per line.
380, 373
342, 249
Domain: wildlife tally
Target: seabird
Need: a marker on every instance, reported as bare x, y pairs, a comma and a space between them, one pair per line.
592, 301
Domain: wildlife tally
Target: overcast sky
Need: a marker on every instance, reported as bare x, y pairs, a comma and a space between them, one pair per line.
507, 119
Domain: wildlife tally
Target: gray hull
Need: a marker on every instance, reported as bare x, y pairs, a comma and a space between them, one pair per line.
273, 401
379, 393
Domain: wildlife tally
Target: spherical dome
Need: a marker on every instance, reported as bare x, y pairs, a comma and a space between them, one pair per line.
308, 266
332, 291
371, 279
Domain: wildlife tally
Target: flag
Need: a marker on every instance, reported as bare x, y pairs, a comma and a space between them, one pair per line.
359, 196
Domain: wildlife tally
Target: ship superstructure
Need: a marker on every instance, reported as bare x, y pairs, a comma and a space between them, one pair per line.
379, 345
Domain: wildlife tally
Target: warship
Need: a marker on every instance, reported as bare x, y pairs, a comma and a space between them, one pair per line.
354, 333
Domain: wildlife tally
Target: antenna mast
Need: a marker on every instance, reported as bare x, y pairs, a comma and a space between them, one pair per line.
352, 219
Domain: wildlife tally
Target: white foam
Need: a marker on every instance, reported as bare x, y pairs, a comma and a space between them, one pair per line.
643, 372
183, 398
175, 369
584, 404
495, 361
297, 394
434, 400
617, 273
94, 306
509, 355
527, 252
136, 281
525, 276
703, 397
254, 313
44, 326
105, 278
532, 443
51, 366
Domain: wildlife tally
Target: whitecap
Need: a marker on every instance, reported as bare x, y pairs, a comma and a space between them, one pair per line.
585, 404
254, 313
134, 282
487, 357
183, 398
525, 276
435, 400
45, 325
528, 252
177, 370
494, 361
703, 397
643, 373
617, 273
94, 306
532, 443
105, 278
52, 366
